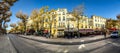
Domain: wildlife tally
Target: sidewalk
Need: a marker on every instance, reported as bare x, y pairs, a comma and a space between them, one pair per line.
63, 41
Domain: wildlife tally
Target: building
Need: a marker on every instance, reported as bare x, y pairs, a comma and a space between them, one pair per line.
61, 21
83, 24
65, 21
98, 22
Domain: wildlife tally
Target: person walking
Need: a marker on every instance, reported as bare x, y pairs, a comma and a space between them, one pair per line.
104, 34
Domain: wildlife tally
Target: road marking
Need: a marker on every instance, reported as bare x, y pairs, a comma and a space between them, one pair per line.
70, 41
59, 50
65, 51
81, 46
8, 38
82, 40
115, 44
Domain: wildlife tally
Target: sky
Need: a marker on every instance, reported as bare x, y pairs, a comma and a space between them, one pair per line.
103, 8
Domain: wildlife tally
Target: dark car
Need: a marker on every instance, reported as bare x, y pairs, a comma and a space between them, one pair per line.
30, 32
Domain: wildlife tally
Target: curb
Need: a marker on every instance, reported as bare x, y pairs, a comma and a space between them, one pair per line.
65, 43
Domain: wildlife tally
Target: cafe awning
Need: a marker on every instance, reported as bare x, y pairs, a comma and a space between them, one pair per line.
86, 30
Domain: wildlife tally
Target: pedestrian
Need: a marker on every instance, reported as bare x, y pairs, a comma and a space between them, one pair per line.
104, 34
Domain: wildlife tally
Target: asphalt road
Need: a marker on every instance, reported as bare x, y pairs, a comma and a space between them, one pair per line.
23, 45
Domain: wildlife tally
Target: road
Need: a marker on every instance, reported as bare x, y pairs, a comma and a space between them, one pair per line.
23, 45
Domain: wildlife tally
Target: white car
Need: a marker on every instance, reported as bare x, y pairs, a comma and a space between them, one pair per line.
114, 34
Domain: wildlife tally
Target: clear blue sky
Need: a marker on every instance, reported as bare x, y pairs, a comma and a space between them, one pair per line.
104, 8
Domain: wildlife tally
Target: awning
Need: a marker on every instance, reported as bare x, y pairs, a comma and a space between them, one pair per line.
45, 31
112, 29
70, 30
86, 30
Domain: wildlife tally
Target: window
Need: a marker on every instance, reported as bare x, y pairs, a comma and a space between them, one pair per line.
63, 18
63, 13
46, 20
54, 25
89, 26
59, 18
46, 25
95, 20
59, 24
96, 25
59, 14
63, 24
85, 26
81, 26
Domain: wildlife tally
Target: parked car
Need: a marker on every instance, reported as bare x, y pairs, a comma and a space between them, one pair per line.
115, 34
39, 33
30, 32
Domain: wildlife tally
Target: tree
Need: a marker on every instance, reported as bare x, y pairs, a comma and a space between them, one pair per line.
111, 23
118, 17
5, 11
13, 25
51, 17
42, 15
34, 19
77, 13
23, 18
21, 27
6, 20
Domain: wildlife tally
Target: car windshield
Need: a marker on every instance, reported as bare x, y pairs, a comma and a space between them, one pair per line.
114, 32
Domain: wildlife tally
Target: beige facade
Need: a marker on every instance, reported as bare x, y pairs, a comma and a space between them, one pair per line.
65, 20
98, 22
84, 24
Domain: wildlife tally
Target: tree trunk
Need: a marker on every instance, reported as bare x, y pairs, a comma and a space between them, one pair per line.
0, 27
24, 27
4, 27
50, 28
78, 27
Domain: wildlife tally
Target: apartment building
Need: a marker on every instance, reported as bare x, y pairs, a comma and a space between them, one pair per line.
98, 22
65, 21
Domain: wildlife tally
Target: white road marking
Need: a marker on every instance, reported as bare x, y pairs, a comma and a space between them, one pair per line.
70, 41
82, 40
8, 38
115, 44
59, 50
81, 46
65, 51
